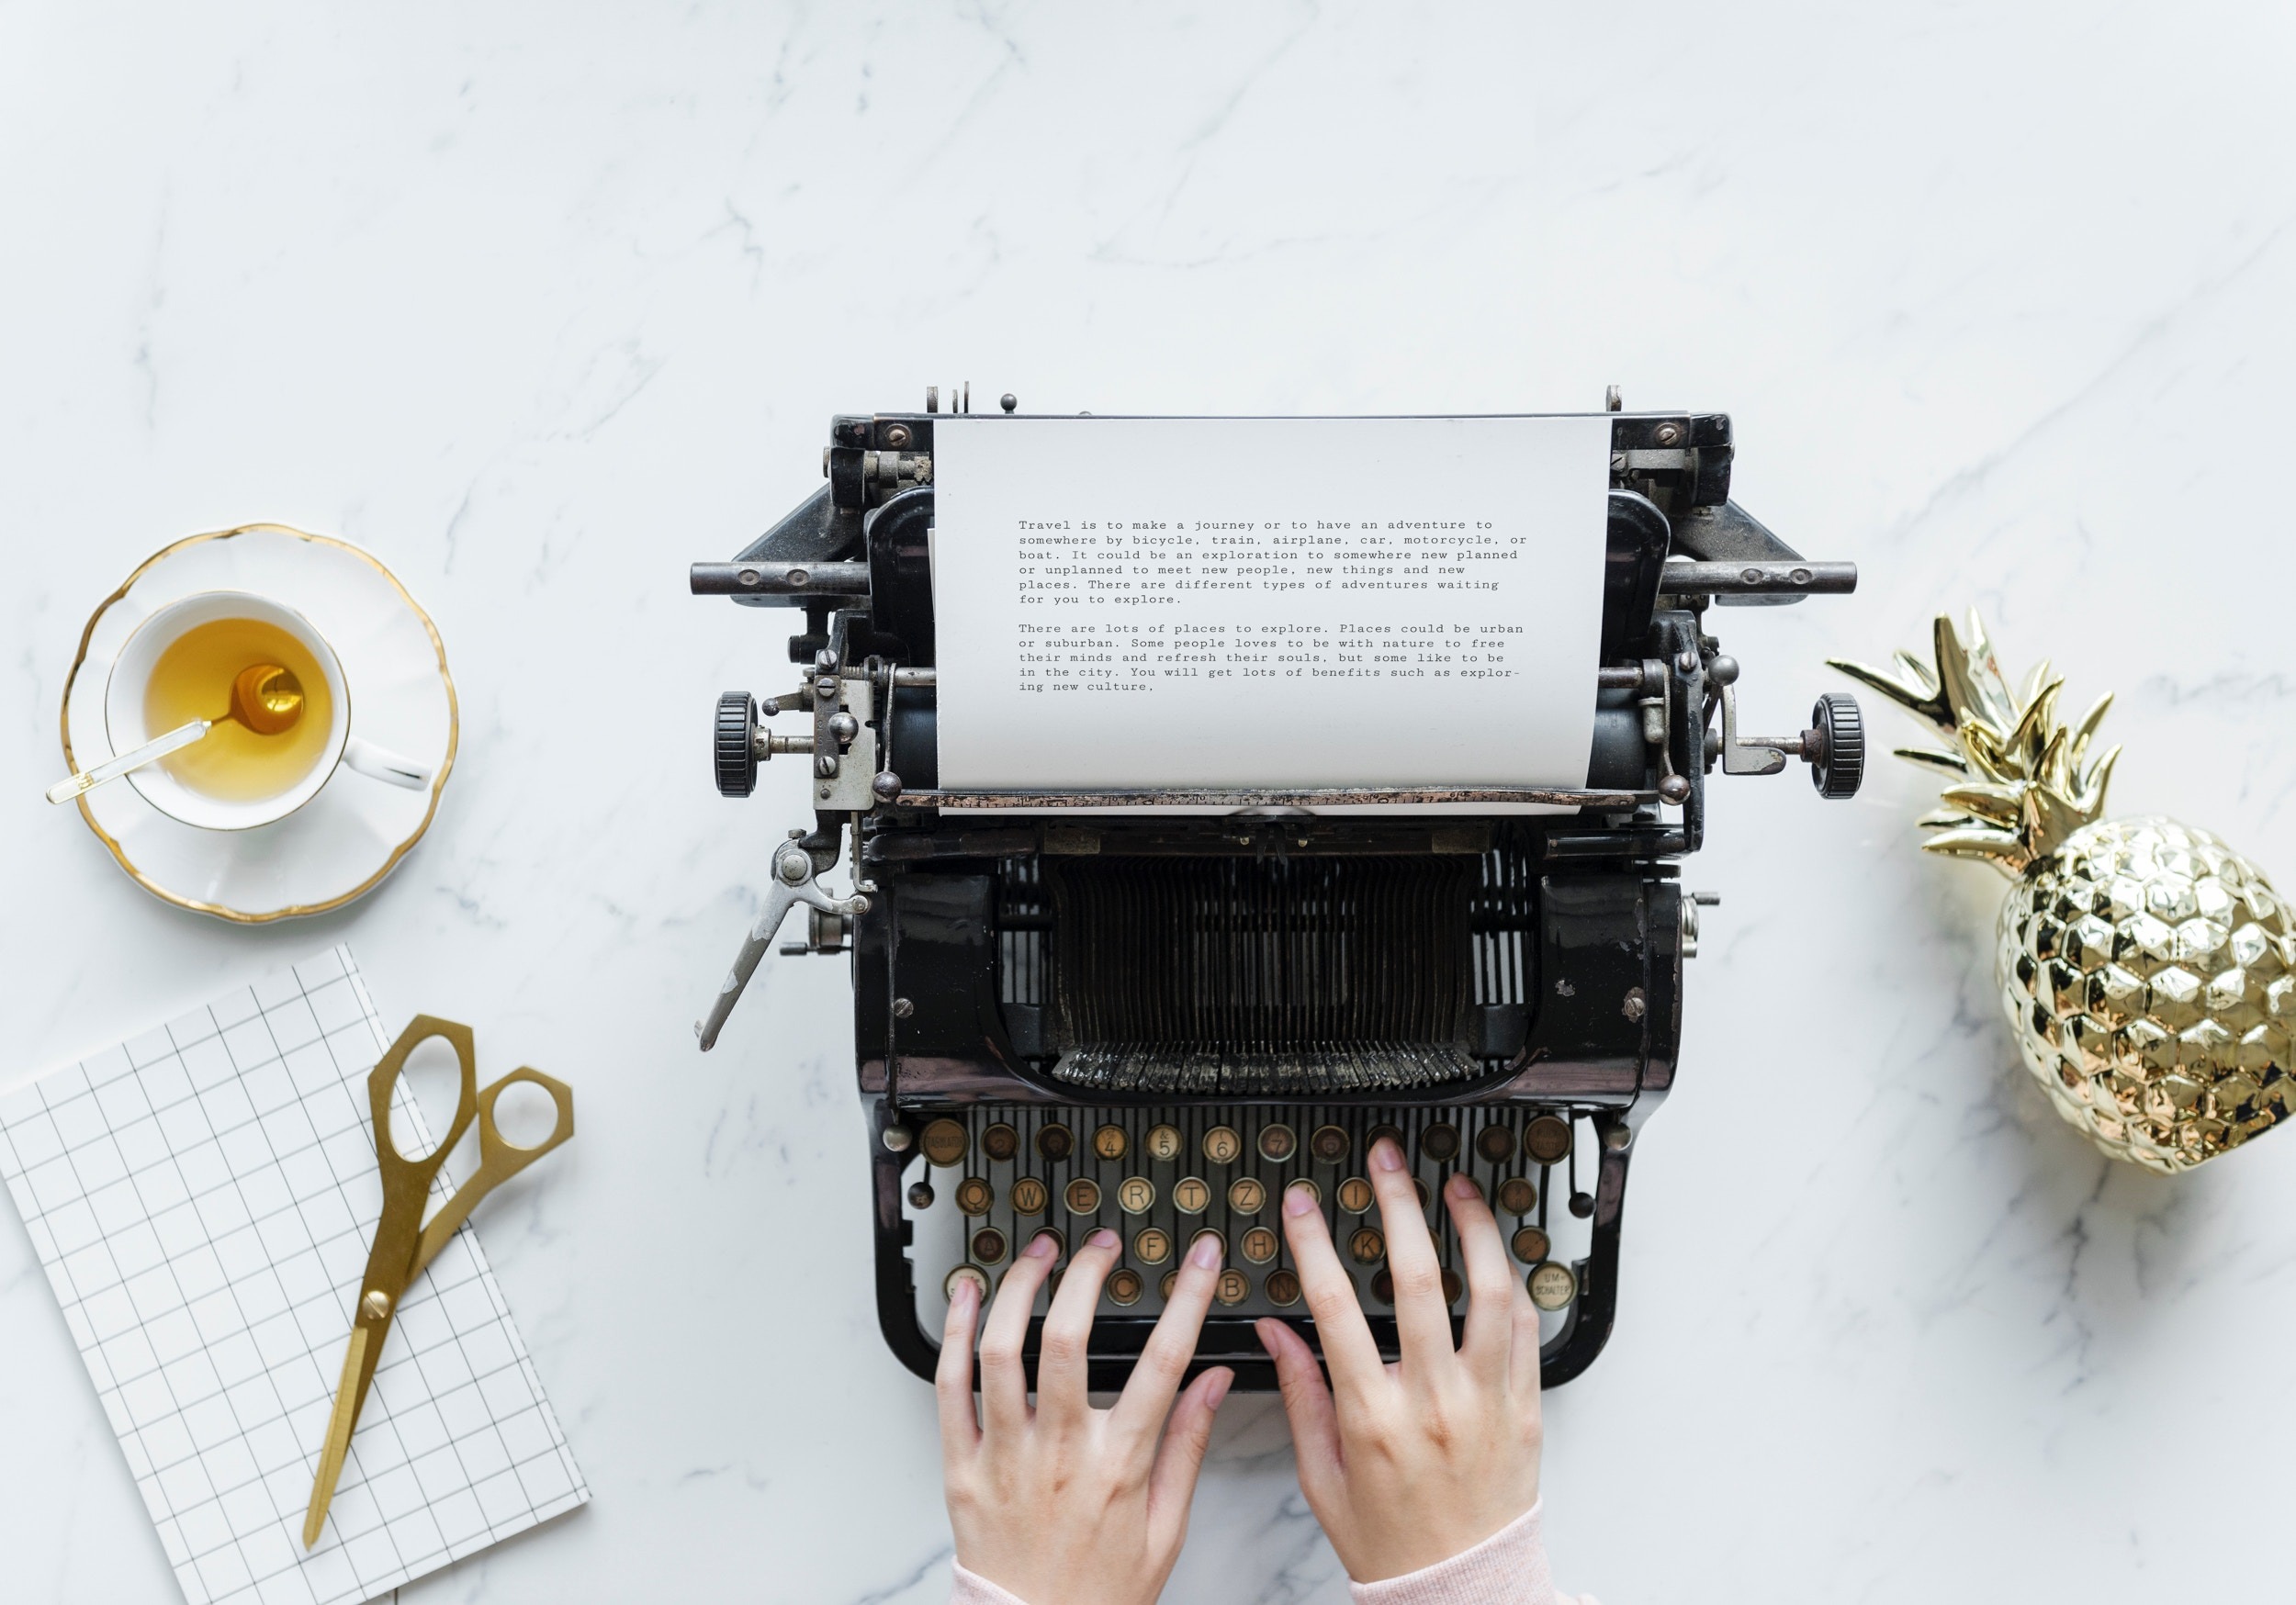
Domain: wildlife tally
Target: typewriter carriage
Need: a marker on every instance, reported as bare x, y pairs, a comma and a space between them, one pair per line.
1266, 958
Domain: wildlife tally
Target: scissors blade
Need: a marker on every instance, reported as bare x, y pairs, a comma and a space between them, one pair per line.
358, 1370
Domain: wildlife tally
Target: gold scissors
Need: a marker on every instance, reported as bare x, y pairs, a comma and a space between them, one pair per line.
403, 1244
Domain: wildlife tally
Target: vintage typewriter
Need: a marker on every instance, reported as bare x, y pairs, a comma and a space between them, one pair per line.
1156, 1023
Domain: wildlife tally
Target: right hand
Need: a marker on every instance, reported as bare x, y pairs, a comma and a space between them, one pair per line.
1410, 1463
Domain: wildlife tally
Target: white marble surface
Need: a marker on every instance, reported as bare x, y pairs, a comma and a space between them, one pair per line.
540, 303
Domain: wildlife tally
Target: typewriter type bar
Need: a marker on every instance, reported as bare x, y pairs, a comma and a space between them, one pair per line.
1079, 1018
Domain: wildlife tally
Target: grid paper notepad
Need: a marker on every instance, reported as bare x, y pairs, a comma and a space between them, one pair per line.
203, 1198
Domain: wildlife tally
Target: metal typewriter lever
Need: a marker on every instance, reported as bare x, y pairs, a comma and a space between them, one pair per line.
1833, 745
792, 884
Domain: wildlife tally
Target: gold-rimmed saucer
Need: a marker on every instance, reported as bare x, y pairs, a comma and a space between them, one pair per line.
343, 842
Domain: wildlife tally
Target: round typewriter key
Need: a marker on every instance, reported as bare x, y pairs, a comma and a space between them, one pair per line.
1060, 1243
1439, 1143
1392, 1133
1303, 1185
1191, 1195
1277, 1142
1125, 1286
1258, 1245
1056, 1143
1547, 1140
1495, 1143
1151, 1245
1215, 1235
1354, 1194
1137, 1195
1163, 1142
1383, 1286
1221, 1145
1029, 1196
1109, 1143
1329, 1144
973, 1273
1553, 1286
1233, 1287
1000, 1142
988, 1245
921, 1195
1531, 1245
1517, 1196
975, 1195
1164, 1288
1452, 1286
1247, 1194
1083, 1196
945, 1142
1283, 1288
1366, 1245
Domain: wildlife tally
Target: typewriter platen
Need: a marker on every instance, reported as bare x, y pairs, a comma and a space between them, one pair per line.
1156, 1023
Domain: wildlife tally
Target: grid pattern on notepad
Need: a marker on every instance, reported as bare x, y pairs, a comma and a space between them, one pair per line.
202, 1199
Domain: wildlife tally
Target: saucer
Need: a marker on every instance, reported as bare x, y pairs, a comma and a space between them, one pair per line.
343, 842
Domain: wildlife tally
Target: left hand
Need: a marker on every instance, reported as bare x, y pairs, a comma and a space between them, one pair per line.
1063, 1504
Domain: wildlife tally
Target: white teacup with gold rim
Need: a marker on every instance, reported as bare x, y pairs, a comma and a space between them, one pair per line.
178, 666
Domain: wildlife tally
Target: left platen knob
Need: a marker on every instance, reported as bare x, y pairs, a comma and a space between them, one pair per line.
736, 745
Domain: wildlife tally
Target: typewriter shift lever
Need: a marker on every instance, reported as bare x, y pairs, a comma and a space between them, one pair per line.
792, 883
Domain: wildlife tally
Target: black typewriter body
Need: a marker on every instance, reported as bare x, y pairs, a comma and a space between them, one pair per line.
1157, 1022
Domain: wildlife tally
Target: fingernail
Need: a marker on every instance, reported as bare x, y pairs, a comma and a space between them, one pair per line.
1221, 1382
1298, 1200
1041, 1246
1462, 1186
1206, 1252
1102, 1239
1386, 1155
966, 1297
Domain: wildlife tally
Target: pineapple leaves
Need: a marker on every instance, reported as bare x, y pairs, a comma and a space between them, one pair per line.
2022, 781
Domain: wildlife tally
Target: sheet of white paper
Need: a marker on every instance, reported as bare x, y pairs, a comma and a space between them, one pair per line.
202, 1198
1268, 602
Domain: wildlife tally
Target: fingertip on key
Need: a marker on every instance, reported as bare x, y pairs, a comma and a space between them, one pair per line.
1462, 1186
1299, 1199
1102, 1239
1042, 1246
1386, 1154
1206, 1253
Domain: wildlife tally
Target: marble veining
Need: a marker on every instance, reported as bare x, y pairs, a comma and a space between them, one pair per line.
540, 304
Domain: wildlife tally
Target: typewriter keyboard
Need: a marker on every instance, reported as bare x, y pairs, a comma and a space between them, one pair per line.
992, 1177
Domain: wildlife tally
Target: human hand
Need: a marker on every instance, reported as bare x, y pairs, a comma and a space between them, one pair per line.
1410, 1463
1063, 1504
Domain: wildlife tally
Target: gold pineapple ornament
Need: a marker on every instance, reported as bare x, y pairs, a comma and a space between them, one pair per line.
2148, 970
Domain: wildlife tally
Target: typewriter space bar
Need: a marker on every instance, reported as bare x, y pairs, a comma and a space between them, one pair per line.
1312, 797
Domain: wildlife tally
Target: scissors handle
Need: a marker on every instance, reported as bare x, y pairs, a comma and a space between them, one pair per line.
500, 1159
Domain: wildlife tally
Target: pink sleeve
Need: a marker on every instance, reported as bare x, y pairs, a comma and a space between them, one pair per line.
1507, 1569
974, 1589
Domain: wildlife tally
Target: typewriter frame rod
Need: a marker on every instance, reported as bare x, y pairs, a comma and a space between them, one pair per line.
1599, 1018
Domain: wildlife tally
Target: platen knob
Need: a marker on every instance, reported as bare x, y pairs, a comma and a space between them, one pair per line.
736, 745
1839, 764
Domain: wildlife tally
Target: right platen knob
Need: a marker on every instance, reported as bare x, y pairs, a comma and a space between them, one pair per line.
736, 745
1839, 763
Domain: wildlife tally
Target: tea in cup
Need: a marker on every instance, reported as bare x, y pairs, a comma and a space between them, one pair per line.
179, 665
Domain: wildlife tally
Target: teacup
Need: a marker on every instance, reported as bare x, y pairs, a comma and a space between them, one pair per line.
125, 722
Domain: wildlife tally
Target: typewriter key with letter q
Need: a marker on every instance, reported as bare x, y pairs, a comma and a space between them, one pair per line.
1163, 1142
1000, 1142
1330, 1144
1191, 1195
1547, 1140
1517, 1196
1109, 1143
945, 1142
975, 1195
1221, 1145
1276, 1143
1137, 1195
1151, 1245
1258, 1245
1125, 1285
1029, 1196
1553, 1286
1083, 1196
1247, 1194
